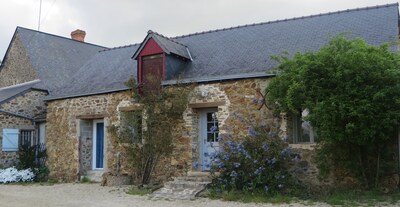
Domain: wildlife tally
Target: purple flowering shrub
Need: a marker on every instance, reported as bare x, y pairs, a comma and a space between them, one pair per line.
256, 164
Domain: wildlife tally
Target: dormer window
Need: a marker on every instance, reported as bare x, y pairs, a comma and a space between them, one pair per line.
159, 58
152, 72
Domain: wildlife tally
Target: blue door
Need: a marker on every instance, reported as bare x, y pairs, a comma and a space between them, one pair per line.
99, 148
208, 137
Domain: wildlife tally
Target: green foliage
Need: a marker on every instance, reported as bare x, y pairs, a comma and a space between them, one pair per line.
352, 91
256, 164
85, 179
249, 197
34, 157
358, 198
160, 111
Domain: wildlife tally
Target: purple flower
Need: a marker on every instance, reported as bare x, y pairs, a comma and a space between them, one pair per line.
233, 174
252, 132
214, 129
265, 147
236, 164
225, 157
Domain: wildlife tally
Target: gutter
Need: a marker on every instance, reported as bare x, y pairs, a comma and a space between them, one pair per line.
216, 78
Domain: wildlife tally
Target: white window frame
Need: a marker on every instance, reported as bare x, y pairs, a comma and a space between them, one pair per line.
298, 130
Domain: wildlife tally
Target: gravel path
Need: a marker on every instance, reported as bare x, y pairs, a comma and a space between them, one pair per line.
94, 195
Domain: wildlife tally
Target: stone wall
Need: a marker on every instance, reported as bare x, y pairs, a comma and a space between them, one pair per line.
86, 140
235, 101
64, 134
29, 104
8, 159
16, 66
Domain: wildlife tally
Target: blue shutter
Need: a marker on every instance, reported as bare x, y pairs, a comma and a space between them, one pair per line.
10, 140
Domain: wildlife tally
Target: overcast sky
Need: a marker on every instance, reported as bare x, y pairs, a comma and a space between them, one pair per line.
114, 23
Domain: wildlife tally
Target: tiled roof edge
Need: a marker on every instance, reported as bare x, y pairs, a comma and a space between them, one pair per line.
285, 20
119, 47
53, 98
217, 78
19, 27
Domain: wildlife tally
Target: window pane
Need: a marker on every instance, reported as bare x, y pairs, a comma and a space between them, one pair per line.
131, 127
306, 132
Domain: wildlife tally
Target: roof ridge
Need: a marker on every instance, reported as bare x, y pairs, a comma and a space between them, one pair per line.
20, 84
289, 19
119, 47
58, 36
163, 36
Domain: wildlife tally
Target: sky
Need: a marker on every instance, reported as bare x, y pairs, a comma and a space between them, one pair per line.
114, 23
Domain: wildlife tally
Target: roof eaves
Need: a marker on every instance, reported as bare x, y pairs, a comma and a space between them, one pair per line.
18, 115
53, 98
216, 78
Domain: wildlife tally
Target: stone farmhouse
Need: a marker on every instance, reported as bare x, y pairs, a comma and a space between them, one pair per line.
65, 92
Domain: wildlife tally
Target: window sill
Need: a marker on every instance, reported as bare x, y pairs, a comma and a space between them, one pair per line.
308, 146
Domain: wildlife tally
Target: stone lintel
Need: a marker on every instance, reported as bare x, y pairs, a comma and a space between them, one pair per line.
206, 105
91, 116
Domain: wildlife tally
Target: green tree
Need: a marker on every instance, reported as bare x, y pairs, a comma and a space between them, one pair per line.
352, 92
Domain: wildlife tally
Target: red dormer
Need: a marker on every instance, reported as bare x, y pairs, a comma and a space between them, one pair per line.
153, 56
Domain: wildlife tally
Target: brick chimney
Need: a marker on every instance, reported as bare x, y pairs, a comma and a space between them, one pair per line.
78, 35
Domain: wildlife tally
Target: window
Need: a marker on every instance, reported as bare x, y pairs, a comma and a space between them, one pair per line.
26, 138
10, 140
302, 130
212, 127
131, 126
152, 72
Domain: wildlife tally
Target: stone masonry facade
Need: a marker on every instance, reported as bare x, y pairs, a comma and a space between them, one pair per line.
29, 104
9, 159
69, 137
18, 68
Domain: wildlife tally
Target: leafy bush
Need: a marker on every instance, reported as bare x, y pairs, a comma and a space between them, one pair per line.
34, 157
256, 164
352, 92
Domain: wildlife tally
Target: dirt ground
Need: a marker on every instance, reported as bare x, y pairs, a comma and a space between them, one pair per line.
88, 195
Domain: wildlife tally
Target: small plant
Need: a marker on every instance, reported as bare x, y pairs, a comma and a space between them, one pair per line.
34, 157
85, 179
256, 164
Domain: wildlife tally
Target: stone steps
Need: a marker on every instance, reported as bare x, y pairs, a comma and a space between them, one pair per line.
95, 175
183, 188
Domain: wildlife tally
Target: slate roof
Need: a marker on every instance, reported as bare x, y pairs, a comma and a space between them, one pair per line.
247, 49
106, 72
243, 51
168, 45
7, 93
55, 58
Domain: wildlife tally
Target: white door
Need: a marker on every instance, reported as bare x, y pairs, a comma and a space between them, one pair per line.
208, 136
